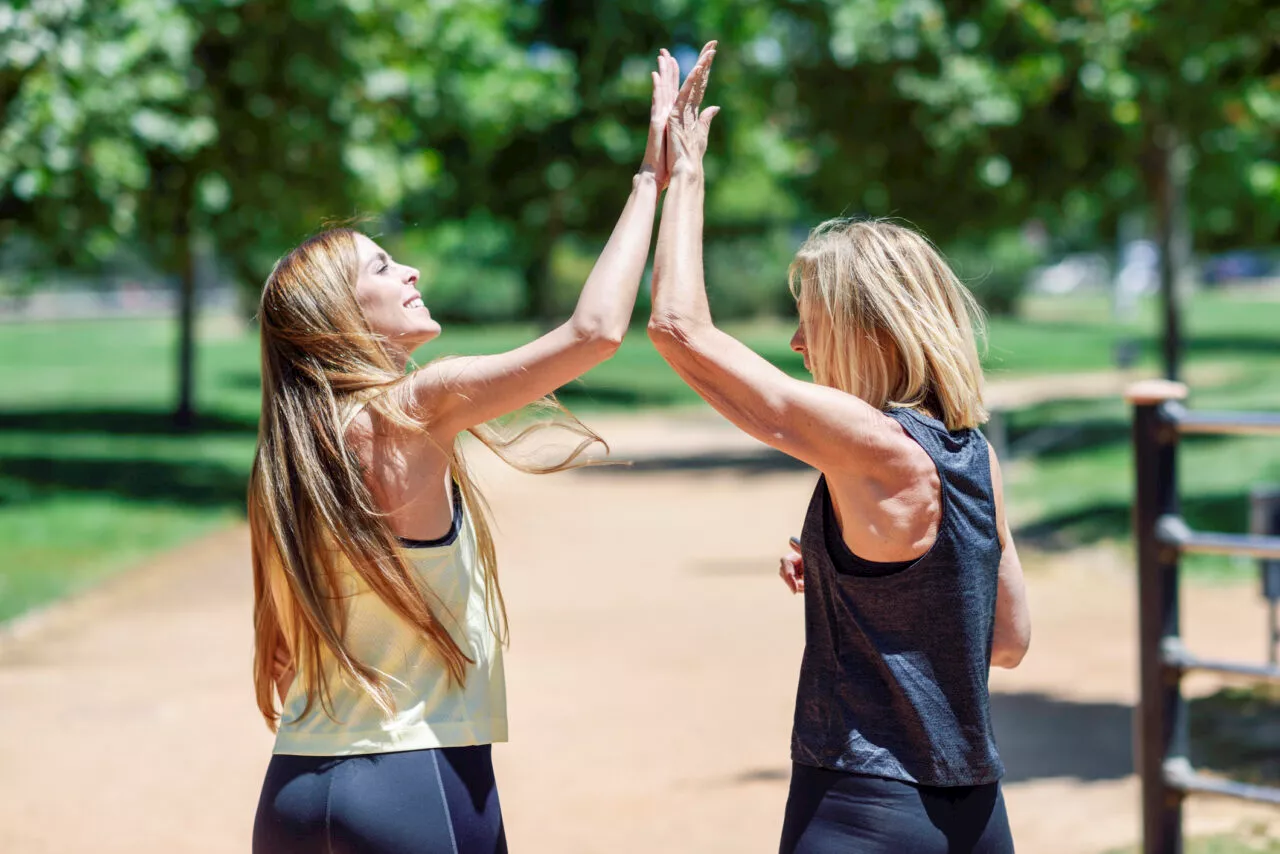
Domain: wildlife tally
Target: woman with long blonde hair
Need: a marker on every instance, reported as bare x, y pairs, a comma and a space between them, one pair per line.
913, 588
378, 618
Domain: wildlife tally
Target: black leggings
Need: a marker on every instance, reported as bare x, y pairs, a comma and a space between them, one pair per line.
830, 812
442, 801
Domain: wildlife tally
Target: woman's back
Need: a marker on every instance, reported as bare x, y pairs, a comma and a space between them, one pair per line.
894, 677
430, 709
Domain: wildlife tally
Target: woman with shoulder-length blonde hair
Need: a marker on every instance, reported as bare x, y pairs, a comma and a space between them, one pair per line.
913, 588
379, 622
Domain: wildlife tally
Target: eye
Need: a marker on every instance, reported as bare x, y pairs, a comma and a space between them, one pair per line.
384, 268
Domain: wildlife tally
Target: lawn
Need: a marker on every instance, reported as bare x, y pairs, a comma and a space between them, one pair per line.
92, 479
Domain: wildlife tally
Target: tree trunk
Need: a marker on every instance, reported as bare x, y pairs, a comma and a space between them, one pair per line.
537, 276
184, 417
1165, 189
540, 288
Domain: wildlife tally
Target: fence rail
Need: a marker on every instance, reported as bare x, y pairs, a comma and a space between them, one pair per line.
1163, 536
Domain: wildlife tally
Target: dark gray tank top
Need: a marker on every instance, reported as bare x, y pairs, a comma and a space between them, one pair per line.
894, 677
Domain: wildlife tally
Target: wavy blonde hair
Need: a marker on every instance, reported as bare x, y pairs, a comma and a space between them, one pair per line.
887, 320
311, 513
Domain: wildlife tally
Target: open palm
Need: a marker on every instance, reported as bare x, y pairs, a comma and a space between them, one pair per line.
689, 125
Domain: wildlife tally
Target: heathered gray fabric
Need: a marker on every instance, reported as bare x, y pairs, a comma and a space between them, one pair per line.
893, 682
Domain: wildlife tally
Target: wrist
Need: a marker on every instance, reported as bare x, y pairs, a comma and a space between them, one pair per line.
646, 176
687, 171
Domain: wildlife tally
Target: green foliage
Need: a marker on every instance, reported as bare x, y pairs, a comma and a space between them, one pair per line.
747, 276
465, 274
971, 116
996, 270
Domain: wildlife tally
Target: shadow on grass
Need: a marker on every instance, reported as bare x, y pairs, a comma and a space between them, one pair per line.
620, 397
190, 483
1046, 439
1041, 737
1236, 733
1243, 344
1227, 513
119, 422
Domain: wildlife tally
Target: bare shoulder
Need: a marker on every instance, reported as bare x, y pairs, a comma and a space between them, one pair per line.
898, 466
889, 510
390, 455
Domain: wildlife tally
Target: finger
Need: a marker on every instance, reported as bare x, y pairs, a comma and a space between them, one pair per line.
682, 97
787, 580
697, 81
691, 82
707, 115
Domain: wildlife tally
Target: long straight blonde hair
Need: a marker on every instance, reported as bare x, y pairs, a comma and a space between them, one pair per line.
311, 514
887, 320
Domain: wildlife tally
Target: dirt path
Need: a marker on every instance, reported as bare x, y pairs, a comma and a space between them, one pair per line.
651, 676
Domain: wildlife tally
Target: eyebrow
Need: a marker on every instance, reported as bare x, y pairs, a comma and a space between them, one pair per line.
380, 256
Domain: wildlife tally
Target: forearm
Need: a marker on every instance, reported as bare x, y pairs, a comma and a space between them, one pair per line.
679, 285
1011, 636
609, 295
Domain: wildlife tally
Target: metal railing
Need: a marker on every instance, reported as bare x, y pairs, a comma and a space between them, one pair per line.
1160, 743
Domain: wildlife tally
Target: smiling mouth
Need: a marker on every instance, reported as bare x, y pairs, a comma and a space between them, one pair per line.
416, 302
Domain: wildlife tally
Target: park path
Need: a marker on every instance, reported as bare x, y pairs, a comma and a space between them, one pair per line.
651, 675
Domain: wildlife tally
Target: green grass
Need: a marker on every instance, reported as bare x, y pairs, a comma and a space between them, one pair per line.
92, 479
1079, 489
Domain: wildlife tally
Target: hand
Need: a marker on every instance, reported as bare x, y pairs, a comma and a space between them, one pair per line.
688, 126
665, 82
792, 570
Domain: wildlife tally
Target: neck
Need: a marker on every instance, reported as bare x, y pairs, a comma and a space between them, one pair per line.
399, 356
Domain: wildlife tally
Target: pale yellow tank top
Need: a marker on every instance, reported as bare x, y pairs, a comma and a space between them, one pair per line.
431, 711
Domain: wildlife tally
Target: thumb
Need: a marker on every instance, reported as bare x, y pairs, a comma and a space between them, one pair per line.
707, 115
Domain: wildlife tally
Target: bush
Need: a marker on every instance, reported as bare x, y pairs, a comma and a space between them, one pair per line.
747, 276
467, 274
996, 270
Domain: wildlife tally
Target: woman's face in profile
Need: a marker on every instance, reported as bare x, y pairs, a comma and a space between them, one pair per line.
387, 293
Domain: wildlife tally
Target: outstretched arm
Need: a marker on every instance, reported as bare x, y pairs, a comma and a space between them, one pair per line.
824, 427
456, 394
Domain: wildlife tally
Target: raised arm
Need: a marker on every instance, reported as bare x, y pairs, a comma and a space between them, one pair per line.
824, 427
455, 394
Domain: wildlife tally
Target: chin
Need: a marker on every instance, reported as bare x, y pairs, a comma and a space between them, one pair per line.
429, 332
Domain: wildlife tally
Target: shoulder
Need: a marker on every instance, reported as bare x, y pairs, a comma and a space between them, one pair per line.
902, 474
905, 461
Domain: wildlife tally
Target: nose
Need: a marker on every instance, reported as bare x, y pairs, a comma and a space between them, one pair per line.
410, 276
797, 341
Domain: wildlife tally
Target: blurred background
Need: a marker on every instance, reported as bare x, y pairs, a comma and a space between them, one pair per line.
1104, 174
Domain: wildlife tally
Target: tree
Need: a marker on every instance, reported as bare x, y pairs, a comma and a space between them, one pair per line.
974, 114
184, 127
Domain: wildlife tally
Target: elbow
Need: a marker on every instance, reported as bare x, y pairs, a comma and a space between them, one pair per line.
1008, 653
670, 331
600, 338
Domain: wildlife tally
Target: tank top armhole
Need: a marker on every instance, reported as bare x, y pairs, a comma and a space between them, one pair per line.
450, 537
